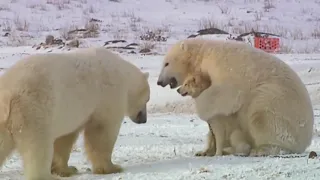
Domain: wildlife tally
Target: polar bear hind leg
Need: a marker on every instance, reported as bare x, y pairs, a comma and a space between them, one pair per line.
6, 143
268, 150
240, 144
6, 140
271, 132
267, 142
62, 149
37, 154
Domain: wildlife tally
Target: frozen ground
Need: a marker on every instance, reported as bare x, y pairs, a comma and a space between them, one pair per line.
164, 148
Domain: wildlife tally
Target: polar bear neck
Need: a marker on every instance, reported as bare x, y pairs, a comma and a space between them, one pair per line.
194, 61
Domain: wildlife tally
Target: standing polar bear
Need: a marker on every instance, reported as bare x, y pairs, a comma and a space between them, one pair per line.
46, 99
260, 91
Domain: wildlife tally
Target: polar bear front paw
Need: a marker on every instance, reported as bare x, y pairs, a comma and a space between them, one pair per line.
51, 177
66, 172
205, 153
114, 168
258, 153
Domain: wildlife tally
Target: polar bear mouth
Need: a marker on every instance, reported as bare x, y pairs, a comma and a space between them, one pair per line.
173, 83
184, 94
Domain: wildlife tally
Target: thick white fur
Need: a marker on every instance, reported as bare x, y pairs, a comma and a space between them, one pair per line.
268, 98
46, 99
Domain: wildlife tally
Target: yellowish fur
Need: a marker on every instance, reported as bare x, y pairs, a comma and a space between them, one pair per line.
194, 85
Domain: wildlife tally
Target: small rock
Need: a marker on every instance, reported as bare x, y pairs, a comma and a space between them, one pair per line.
6, 34
58, 42
145, 50
114, 42
132, 44
192, 36
94, 20
49, 40
73, 43
312, 155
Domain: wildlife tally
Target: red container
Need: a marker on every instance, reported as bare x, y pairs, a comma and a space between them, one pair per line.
271, 45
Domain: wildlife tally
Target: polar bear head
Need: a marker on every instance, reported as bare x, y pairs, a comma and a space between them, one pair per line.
138, 98
178, 63
194, 85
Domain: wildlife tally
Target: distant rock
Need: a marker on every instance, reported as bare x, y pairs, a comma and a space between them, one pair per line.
73, 43
208, 31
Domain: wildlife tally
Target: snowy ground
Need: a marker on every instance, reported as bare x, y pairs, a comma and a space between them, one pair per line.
164, 148
27, 22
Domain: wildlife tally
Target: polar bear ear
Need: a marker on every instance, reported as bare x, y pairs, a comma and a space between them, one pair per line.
146, 75
183, 46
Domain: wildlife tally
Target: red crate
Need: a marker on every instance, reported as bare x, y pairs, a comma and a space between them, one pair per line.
270, 45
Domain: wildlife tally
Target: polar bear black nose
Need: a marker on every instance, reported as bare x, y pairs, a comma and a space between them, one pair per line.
141, 117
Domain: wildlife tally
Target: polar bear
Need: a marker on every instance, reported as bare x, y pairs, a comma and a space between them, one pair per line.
194, 85
266, 96
225, 135
46, 99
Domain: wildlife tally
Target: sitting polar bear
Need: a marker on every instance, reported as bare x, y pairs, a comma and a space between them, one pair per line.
46, 99
260, 91
225, 136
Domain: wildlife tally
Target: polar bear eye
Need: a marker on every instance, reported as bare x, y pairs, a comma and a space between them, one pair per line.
166, 64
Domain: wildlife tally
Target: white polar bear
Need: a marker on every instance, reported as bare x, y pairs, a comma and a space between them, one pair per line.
266, 96
46, 99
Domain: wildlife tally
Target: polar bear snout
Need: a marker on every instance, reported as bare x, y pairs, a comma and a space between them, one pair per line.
141, 118
171, 81
162, 83
181, 92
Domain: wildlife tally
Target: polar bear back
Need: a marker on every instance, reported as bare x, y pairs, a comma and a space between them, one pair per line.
251, 69
85, 83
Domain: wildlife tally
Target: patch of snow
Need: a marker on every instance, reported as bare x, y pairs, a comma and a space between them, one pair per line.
27, 22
